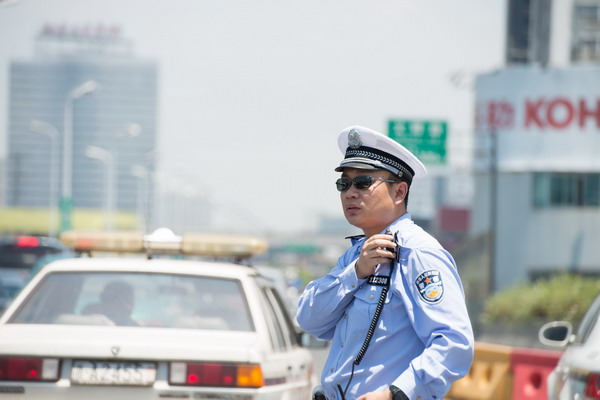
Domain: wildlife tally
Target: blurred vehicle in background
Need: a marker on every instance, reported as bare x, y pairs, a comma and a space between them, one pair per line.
10, 285
23, 252
150, 327
577, 375
23, 256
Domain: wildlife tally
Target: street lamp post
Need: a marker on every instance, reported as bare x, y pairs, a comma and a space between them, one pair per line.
107, 158
50, 130
141, 172
66, 201
129, 130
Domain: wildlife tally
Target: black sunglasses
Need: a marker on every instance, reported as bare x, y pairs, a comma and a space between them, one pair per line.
360, 182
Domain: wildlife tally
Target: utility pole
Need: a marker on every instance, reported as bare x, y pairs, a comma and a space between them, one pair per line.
493, 209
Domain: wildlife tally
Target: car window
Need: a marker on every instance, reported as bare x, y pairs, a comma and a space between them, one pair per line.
589, 320
285, 318
277, 336
137, 299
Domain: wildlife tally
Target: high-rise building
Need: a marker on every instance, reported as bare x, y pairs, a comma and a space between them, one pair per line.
553, 32
528, 31
118, 119
585, 38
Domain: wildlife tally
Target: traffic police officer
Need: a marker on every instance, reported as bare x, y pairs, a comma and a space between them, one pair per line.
393, 306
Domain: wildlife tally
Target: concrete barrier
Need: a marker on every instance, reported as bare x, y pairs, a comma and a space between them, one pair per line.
489, 377
530, 369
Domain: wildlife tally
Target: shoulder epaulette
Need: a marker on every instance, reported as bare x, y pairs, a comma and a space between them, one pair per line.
354, 239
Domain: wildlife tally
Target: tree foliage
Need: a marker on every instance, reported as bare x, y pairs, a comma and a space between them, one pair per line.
563, 297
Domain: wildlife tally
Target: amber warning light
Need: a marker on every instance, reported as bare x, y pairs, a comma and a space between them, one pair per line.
163, 240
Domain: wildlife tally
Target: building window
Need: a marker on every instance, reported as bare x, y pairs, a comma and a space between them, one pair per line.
552, 189
587, 17
586, 33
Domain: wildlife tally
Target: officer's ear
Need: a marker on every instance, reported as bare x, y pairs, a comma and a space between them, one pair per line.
401, 192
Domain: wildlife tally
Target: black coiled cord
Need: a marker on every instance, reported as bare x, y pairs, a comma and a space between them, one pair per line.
371, 331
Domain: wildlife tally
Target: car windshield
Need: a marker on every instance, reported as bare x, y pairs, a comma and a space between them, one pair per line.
137, 299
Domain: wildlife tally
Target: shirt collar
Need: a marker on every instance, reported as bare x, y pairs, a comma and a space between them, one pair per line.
355, 239
400, 224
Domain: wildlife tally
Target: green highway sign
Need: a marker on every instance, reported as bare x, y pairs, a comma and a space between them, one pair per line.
424, 138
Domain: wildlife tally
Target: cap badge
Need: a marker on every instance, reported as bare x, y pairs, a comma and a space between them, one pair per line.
354, 141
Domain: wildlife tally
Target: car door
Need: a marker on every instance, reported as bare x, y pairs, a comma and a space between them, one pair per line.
568, 381
577, 356
296, 362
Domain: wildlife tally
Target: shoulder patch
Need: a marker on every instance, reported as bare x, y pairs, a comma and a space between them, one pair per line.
430, 286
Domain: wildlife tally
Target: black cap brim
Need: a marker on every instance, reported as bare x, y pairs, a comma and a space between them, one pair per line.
357, 165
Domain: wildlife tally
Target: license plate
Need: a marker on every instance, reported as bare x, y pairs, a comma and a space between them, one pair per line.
123, 373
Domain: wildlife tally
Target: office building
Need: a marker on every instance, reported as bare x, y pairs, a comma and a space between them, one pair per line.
554, 33
118, 119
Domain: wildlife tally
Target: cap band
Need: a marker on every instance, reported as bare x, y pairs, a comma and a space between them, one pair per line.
378, 155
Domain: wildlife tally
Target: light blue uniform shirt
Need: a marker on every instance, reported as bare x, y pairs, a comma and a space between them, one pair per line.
423, 341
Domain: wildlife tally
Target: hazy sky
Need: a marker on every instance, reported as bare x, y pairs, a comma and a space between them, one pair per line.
254, 93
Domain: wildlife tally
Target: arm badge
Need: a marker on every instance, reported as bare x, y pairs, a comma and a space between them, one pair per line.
430, 286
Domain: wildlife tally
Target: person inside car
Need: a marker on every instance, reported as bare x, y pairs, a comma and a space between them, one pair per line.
116, 303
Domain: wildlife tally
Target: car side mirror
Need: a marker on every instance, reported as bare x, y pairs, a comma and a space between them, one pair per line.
556, 334
311, 342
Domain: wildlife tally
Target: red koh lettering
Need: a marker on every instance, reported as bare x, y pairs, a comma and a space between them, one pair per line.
532, 116
551, 112
584, 113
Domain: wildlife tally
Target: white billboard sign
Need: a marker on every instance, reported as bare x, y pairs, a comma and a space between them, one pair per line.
543, 119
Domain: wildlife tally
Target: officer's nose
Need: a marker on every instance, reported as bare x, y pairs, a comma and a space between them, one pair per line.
352, 192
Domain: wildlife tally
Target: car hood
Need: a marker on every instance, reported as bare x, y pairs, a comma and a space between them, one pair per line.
130, 343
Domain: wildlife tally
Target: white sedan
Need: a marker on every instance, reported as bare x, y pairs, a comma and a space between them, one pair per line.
577, 375
134, 328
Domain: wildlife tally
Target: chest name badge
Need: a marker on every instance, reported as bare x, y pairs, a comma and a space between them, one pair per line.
378, 280
430, 286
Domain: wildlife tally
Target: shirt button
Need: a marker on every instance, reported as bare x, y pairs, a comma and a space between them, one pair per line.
342, 345
371, 297
331, 370
353, 285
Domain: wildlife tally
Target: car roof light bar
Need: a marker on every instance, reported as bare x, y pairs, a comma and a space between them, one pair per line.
111, 241
164, 241
222, 246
